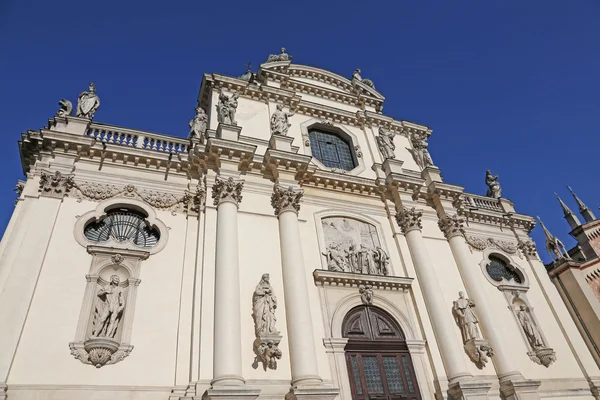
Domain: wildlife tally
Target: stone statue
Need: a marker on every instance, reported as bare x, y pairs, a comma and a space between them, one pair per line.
88, 103
280, 121
226, 109
385, 141
283, 56
264, 304
422, 156
494, 189
66, 108
356, 75
109, 309
531, 330
199, 124
366, 294
466, 318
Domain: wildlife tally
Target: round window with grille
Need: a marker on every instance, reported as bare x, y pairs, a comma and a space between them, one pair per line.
123, 225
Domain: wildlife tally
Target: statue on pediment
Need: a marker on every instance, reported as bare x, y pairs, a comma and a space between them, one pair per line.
226, 109
283, 56
494, 189
385, 141
280, 121
66, 108
88, 103
356, 75
199, 124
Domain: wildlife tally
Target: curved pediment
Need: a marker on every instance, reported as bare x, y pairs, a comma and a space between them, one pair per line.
323, 78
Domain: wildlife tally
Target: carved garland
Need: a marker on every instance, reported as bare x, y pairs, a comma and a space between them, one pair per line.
480, 244
190, 202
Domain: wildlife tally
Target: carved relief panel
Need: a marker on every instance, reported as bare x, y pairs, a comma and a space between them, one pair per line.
353, 246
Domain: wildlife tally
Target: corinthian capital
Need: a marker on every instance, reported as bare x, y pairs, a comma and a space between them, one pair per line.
55, 184
452, 225
227, 190
286, 199
409, 219
528, 249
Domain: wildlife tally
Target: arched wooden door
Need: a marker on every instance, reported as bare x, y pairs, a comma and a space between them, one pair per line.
379, 364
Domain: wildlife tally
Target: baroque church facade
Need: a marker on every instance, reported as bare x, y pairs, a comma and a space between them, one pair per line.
299, 244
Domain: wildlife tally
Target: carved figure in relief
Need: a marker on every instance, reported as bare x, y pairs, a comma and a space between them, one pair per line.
88, 103
66, 108
109, 309
466, 318
280, 121
226, 108
385, 141
421, 154
199, 124
353, 246
269, 354
531, 330
264, 304
366, 294
494, 189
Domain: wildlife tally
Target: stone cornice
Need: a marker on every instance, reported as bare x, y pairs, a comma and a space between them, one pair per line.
330, 278
342, 182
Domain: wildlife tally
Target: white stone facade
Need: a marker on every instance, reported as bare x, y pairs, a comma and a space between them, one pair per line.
185, 323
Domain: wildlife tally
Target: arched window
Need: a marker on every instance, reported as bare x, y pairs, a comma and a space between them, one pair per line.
379, 364
332, 150
499, 270
123, 225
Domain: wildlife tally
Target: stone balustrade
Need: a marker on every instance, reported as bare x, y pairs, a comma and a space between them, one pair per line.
138, 139
482, 202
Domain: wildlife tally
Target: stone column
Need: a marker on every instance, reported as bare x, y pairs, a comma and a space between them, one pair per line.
452, 353
453, 229
306, 382
227, 356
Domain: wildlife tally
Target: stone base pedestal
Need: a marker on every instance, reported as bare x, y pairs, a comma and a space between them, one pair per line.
231, 393
469, 390
70, 124
431, 174
228, 132
281, 143
520, 389
312, 393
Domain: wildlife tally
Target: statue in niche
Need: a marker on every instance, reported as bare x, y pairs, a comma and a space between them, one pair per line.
385, 141
199, 124
226, 108
353, 246
466, 318
494, 189
280, 121
420, 152
66, 108
531, 330
109, 309
264, 304
88, 103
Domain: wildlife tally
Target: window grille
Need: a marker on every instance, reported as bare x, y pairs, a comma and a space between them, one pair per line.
122, 225
498, 270
331, 150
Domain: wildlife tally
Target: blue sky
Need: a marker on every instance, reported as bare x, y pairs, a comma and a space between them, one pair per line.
510, 86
